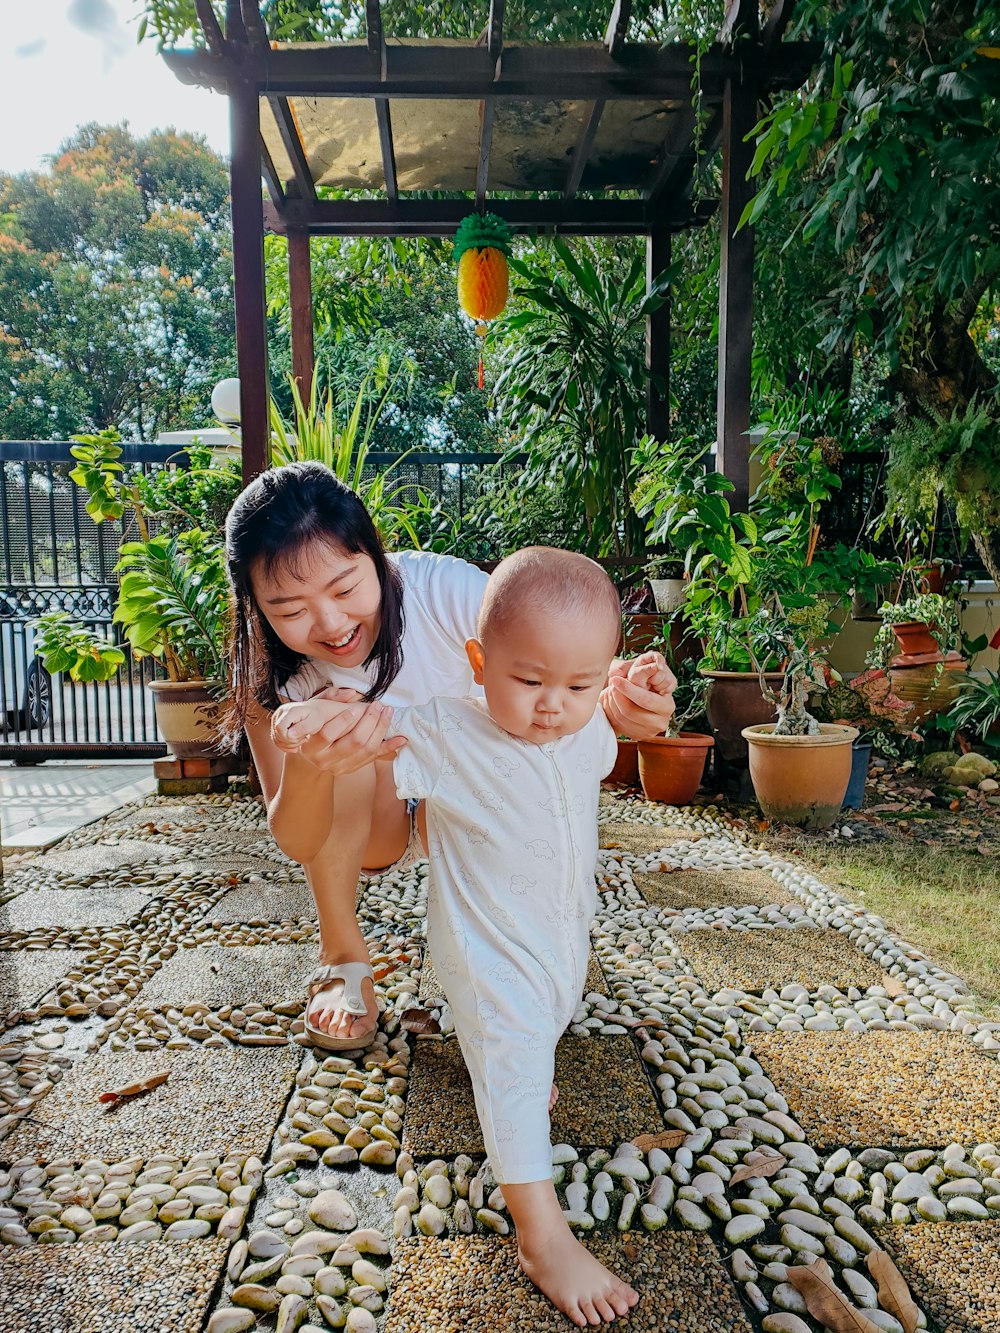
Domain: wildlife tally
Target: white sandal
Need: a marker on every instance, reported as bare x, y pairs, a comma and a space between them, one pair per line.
351, 1001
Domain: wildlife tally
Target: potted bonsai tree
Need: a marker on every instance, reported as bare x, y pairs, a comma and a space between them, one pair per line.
799, 766
173, 599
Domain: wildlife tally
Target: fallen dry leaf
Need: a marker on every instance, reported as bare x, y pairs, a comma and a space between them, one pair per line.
420, 1021
667, 1138
134, 1089
893, 986
609, 846
760, 1162
825, 1302
893, 1293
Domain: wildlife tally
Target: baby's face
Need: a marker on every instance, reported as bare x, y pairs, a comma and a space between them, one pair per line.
543, 675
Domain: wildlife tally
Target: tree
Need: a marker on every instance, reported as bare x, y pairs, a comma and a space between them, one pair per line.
115, 286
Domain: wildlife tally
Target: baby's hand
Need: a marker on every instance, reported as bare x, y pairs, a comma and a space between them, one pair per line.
293, 724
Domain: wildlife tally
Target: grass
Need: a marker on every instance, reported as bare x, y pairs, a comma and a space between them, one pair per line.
944, 901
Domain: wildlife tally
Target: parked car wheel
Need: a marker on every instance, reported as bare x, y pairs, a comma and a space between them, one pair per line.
38, 696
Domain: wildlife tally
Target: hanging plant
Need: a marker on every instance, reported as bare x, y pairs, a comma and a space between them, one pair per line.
482, 244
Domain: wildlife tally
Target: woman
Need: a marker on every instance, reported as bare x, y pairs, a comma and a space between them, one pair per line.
319, 605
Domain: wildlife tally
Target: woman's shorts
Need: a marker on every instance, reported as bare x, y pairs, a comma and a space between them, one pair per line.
414, 849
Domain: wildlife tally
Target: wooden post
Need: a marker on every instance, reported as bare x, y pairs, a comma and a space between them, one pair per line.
300, 298
248, 276
739, 115
658, 340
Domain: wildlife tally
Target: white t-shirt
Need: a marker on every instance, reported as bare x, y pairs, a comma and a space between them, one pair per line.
441, 599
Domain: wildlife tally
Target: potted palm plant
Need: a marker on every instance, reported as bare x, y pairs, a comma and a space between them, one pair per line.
173, 596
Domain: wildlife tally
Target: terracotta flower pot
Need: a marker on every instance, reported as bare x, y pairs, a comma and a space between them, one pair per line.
626, 769
671, 767
734, 701
928, 687
914, 636
187, 714
801, 780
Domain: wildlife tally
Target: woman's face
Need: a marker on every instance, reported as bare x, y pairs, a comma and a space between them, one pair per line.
328, 605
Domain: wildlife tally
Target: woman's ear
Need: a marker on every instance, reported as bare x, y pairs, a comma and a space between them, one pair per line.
477, 659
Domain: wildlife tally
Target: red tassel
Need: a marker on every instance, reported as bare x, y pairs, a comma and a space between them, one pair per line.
480, 380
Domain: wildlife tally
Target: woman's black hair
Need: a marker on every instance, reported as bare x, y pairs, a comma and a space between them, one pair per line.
272, 522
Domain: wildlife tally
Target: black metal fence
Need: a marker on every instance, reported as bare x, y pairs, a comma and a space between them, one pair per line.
53, 557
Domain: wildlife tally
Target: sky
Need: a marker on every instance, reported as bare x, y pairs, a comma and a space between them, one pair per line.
64, 63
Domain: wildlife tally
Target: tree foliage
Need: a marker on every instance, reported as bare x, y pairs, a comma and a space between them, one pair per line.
115, 286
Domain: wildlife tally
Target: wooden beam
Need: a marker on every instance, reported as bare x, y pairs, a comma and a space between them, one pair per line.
494, 35
736, 292
294, 147
487, 114
581, 152
275, 186
440, 217
248, 277
676, 158
376, 34
658, 341
383, 119
614, 36
253, 24
300, 300
214, 39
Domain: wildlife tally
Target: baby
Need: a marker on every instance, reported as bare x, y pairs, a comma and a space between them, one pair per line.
511, 785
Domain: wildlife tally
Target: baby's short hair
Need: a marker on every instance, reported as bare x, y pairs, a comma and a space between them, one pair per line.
551, 581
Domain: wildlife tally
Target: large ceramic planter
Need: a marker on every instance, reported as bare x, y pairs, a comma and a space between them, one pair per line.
928, 687
187, 714
668, 594
734, 701
671, 767
626, 769
801, 780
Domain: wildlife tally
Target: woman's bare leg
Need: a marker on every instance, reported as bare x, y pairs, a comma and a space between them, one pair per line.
370, 828
564, 1270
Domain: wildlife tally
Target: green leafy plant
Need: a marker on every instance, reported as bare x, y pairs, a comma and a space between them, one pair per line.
939, 613
574, 379
173, 595
339, 435
976, 710
868, 703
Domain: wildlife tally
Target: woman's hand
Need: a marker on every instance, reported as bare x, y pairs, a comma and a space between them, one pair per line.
336, 731
638, 698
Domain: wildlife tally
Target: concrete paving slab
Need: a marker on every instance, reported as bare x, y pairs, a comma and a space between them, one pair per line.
604, 1097
472, 1284
642, 839
884, 1089
25, 975
42, 804
71, 908
269, 974
952, 1270
680, 889
220, 1100
109, 1288
756, 960
265, 902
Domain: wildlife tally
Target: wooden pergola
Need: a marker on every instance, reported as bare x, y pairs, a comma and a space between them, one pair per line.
575, 138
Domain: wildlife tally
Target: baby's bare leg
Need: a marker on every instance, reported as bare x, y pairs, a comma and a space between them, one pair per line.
555, 1261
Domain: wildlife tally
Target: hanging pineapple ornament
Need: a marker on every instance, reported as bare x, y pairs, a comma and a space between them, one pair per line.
482, 244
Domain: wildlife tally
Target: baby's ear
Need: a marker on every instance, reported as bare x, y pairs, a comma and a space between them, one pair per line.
477, 659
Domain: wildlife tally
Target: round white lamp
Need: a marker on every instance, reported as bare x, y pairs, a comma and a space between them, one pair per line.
226, 401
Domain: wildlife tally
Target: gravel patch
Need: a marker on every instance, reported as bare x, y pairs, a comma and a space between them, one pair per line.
705, 888
72, 908
472, 1284
884, 1089
265, 902
759, 960
221, 1100
267, 973
25, 975
604, 1097
116, 1286
930, 1256
641, 839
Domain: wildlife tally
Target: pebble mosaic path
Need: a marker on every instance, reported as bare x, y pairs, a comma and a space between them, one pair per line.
758, 1076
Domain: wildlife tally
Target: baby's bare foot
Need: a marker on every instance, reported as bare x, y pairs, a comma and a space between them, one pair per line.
553, 1097
575, 1282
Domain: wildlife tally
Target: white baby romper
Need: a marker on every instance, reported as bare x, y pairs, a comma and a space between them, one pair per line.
512, 833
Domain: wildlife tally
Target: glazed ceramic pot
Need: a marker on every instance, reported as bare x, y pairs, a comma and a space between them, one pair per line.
187, 714
801, 780
671, 767
861, 755
734, 701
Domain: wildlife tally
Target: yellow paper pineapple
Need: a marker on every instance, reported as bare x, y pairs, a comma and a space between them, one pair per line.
482, 244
